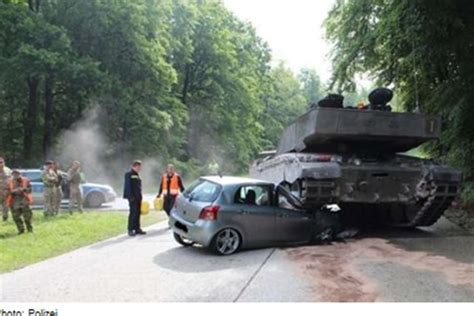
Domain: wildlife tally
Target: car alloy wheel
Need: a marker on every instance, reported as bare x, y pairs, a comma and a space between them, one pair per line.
227, 241
183, 241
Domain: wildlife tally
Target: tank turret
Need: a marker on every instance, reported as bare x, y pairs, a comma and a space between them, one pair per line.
325, 129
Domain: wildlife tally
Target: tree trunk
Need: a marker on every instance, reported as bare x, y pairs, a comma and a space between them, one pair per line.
34, 5
48, 114
184, 90
30, 118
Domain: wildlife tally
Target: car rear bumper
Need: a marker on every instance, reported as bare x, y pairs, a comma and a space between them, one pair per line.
200, 232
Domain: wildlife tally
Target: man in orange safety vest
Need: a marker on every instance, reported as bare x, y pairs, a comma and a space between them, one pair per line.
171, 185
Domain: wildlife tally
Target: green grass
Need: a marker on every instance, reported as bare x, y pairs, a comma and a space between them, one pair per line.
61, 234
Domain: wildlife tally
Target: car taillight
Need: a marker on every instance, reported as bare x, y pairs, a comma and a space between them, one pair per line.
209, 213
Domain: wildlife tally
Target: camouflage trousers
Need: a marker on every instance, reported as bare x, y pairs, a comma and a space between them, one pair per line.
5, 208
58, 196
75, 198
49, 195
22, 217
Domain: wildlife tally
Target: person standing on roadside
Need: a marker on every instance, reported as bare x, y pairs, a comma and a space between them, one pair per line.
75, 179
133, 193
5, 175
171, 185
50, 178
58, 187
19, 199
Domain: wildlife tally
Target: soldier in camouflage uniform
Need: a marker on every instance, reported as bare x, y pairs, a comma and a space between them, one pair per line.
58, 190
5, 174
75, 179
19, 199
50, 178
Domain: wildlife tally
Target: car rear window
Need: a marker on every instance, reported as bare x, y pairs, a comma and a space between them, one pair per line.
203, 191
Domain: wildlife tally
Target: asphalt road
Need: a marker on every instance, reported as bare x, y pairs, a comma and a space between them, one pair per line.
435, 264
122, 205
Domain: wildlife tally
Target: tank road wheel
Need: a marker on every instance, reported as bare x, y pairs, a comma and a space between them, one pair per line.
183, 241
226, 242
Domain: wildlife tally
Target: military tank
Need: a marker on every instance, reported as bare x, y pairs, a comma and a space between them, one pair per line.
356, 157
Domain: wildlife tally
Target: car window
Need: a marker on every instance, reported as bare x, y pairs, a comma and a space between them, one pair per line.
191, 187
258, 195
287, 201
34, 176
283, 202
203, 191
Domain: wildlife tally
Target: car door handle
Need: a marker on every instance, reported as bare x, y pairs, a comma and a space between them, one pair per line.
282, 215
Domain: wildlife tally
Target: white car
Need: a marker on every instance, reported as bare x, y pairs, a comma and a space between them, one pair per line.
94, 195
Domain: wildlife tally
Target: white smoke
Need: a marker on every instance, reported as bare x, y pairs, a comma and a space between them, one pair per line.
86, 142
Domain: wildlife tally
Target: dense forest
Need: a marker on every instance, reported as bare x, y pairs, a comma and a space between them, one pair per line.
185, 81
425, 51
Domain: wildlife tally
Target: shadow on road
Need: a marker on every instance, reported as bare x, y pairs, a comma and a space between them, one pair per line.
200, 260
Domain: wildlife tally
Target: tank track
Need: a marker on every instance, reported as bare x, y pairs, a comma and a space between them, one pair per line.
429, 209
425, 212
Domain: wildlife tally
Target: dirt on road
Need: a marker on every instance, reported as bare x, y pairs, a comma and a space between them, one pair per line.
335, 271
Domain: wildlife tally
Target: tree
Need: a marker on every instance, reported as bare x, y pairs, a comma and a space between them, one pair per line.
284, 101
182, 80
219, 61
311, 84
125, 39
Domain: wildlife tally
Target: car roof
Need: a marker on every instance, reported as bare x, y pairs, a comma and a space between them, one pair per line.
29, 170
229, 180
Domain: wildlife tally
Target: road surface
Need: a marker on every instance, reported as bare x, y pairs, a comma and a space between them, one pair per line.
435, 264
122, 205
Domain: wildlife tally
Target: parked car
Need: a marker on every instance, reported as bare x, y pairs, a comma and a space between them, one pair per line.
94, 195
226, 214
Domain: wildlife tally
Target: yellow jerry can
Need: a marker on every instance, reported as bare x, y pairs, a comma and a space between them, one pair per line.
145, 208
158, 203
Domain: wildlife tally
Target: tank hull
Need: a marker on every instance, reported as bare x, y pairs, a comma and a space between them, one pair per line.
408, 191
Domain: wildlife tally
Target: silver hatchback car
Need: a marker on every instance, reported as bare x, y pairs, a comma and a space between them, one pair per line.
226, 214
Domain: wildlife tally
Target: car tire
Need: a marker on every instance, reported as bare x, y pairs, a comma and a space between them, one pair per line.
183, 241
94, 199
226, 242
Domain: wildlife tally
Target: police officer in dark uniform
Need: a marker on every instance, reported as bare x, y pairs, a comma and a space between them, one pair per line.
133, 193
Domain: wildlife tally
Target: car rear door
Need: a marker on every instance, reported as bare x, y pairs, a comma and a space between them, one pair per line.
292, 223
257, 217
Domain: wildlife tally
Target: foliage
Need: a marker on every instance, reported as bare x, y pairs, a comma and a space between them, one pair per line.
284, 101
182, 80
311, 85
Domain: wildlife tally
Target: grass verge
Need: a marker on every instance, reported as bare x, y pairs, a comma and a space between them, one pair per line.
60, 234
